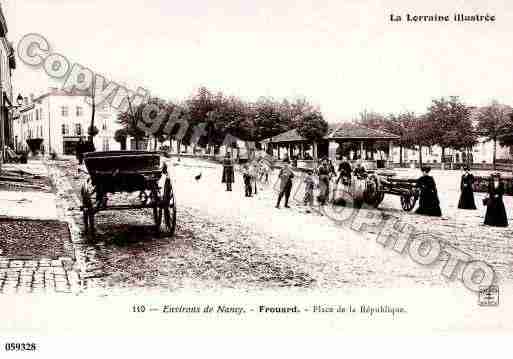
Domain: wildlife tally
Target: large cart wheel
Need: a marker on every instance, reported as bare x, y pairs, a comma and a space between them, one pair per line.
165, 214
408, 200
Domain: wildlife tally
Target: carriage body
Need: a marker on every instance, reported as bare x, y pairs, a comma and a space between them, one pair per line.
123, 171
371, 190
128, 171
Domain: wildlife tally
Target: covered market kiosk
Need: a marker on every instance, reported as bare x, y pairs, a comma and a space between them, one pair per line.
353, 141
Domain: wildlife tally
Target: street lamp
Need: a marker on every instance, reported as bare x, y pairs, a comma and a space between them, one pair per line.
19, 100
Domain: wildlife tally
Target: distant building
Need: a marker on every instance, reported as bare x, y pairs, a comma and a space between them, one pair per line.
481, 152
60, 119
7, 64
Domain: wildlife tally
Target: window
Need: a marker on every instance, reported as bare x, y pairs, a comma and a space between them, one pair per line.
65, 129
104, 126
80, 111
78, 129
37, 114
64, 111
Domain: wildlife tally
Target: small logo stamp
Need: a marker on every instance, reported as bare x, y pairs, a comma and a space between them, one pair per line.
489, 296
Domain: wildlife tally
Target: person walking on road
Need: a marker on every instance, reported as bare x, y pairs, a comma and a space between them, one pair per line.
309, 189
467, 191
495, 210
228, 174
324, 182
246, 175
285, 177
79, 151
429, 204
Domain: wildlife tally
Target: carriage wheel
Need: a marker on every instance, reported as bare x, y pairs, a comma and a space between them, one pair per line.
408, 201
165, 215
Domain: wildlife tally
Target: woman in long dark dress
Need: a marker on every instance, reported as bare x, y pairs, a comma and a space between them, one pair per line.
228, 173
324, 182
429, 204
495, 210
467, 191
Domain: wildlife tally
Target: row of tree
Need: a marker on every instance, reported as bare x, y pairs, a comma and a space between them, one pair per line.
447, 123
221, 115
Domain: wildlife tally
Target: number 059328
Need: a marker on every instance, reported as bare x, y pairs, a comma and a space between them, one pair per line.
20, 347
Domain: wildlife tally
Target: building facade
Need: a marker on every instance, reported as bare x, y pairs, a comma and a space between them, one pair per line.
7, 65
60, 119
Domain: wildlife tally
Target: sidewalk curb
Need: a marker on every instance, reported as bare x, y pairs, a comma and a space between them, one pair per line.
65, 194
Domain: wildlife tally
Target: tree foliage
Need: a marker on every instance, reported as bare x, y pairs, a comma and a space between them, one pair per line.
312, 126
450, 124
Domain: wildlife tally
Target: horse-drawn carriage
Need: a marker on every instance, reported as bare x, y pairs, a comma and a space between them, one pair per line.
130, 172
371, 189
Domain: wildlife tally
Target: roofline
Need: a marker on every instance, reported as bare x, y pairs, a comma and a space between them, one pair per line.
48, 94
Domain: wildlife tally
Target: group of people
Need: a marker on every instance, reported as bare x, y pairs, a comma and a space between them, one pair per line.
251, 172
429, 203
325, 175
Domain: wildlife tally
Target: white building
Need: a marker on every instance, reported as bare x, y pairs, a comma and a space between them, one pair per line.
481, 153
60, 119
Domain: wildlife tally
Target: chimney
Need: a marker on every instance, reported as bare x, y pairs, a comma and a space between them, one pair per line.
31, 98
26, 100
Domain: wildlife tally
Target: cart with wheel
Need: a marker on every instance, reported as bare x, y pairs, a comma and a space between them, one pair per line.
130, 172
377, 186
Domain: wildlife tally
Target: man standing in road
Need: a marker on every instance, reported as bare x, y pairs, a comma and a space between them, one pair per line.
285, 177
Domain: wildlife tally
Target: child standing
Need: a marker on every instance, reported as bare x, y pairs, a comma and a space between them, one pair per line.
247, 180
309, 188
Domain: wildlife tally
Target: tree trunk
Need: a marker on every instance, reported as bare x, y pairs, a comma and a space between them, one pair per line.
93, 110
314, 145
400, 155
494, 154
443, 155
179, 148
155, 144
420, 156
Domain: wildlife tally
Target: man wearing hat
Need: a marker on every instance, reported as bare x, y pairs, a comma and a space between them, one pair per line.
285, 177
467, 191
429, 204
495, 210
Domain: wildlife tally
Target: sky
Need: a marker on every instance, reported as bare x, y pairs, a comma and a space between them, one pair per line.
345, 56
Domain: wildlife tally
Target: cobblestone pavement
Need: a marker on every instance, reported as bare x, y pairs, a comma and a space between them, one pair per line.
36, 256
44, 276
